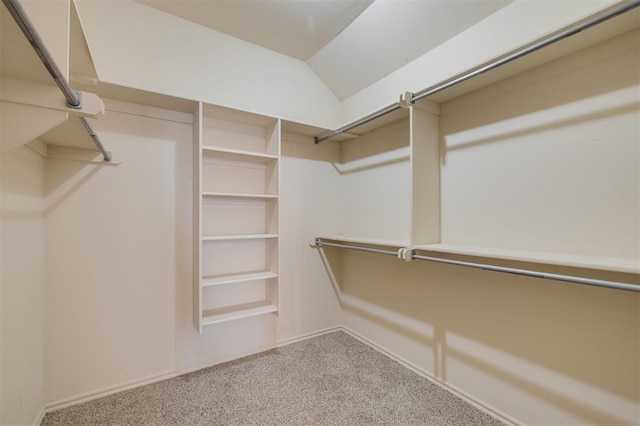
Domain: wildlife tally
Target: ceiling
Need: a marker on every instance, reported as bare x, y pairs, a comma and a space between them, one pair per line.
349, 44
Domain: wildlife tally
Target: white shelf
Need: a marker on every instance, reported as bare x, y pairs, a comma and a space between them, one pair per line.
616, 264
229, 313
232, 237
235, 154
239, 196
366, 240
237, 278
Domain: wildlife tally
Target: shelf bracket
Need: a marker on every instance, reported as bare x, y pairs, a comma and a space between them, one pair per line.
41, 95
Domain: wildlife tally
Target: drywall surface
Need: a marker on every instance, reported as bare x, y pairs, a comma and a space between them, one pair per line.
21, 287
137, 46
548, 160
538, 351
375, 172
111, 259
509, 28
390, 34
310, 205
119, 238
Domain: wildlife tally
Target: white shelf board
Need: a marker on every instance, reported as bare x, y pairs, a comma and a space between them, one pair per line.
229, 313
234, 154
616, 264
366, 240
239, 195
237, 278
232, 237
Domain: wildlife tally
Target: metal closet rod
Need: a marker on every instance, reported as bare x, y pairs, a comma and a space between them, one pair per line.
488, 267
74, 97
487, 67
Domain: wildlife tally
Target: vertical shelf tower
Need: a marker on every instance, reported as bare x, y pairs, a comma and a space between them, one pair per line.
236, 250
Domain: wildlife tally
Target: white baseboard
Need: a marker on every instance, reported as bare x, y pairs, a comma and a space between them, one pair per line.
100, 393
486, 408
311, 335
480, 405
40, 417
252, 351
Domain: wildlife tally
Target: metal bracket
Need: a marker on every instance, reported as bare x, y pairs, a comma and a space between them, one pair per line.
406, 254
78, 94
406, 100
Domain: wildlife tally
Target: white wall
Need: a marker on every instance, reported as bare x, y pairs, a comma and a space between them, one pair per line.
178, 58
511, 27
308, 301
21, 287
158, 52
539, 352
119, 309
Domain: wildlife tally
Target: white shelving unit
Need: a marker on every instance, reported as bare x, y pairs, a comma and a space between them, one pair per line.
509, 165
236, 225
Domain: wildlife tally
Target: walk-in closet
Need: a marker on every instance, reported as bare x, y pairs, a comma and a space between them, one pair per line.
311, 212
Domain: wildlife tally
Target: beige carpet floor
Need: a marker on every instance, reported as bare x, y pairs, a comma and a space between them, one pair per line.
332, 379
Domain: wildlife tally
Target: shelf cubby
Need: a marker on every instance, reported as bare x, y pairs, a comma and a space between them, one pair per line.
235, 312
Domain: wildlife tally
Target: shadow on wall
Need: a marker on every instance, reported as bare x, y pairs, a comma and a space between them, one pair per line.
591, 84
564, 344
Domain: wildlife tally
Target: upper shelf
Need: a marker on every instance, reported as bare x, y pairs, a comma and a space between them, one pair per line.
28, 90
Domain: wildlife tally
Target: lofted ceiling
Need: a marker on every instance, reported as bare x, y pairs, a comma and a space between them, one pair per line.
349, 44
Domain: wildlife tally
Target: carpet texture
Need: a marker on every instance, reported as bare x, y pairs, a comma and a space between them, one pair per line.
332, 379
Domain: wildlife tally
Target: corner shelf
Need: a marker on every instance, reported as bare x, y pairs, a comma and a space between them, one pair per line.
367, 240
234, 312
616, 264
237, 278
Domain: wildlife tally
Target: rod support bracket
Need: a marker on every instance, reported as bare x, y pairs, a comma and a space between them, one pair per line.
315, 243
406, 100
405, 254
78, 94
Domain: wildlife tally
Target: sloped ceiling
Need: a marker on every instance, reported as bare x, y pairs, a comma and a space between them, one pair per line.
350, 44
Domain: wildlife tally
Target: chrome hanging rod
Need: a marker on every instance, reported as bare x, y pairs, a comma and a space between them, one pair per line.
525, 51
487, 267
96, 140
526, 272
319, 242
612, 13
73, 97
28, 29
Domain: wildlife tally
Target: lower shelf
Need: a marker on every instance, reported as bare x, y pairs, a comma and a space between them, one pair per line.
228, 313
367, 240
628, 265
